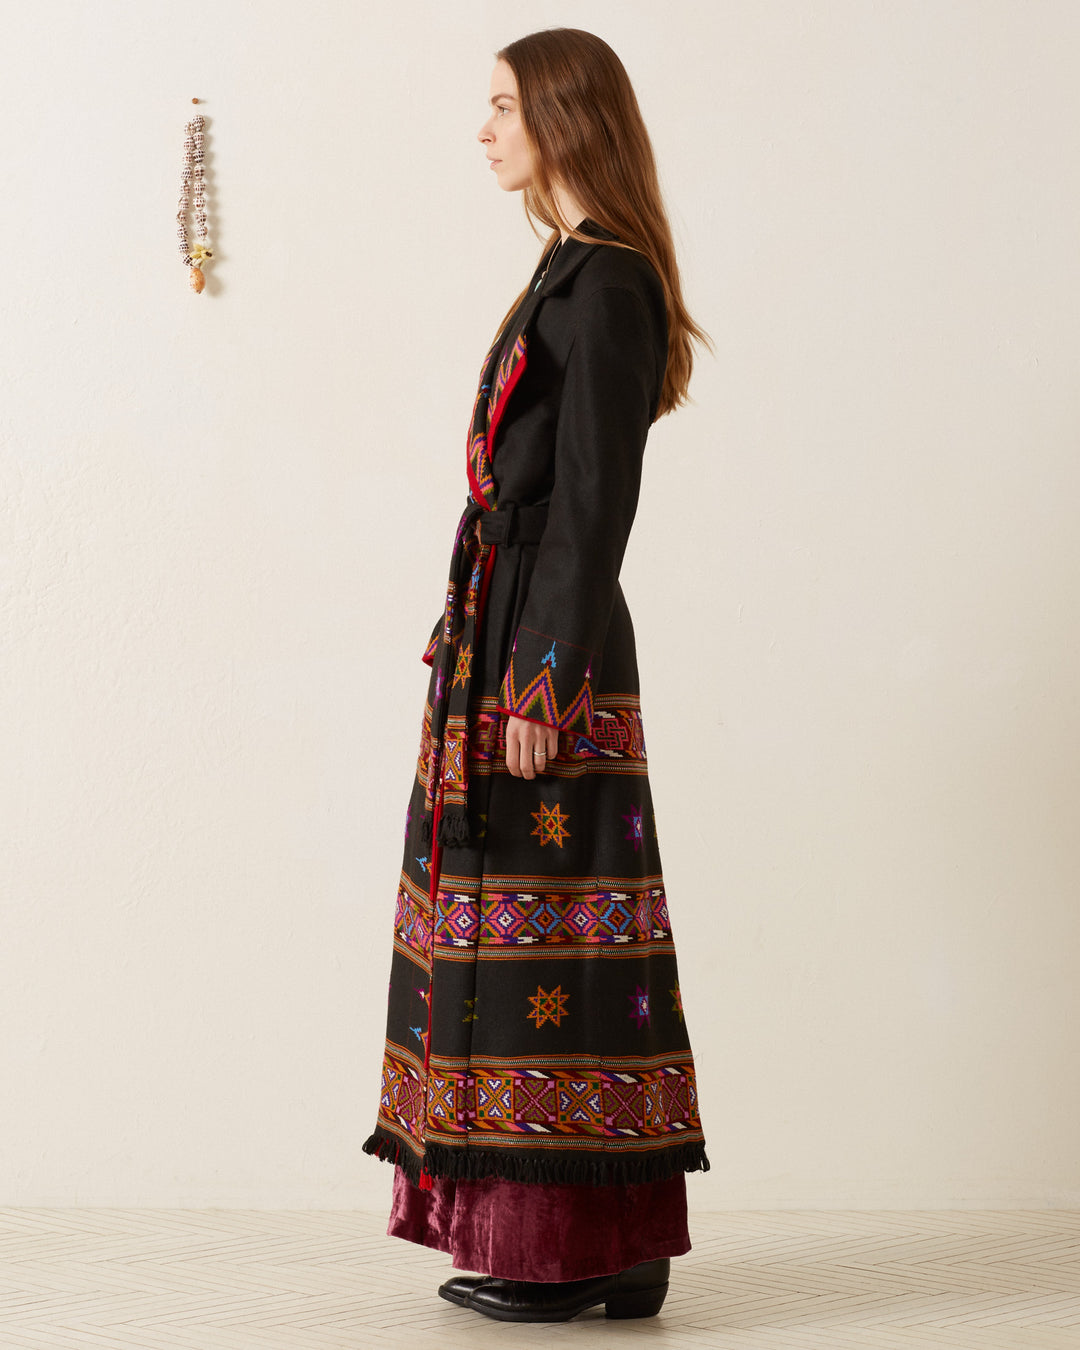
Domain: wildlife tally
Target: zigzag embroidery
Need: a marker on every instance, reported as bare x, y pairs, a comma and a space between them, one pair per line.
510, 360
538, 700
487, 411
481, 464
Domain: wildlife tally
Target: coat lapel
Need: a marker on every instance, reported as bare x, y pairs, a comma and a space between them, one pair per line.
498, 379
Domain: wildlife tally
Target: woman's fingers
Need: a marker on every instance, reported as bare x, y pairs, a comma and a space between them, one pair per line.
529, 746
518, 755
513, 748
519, 748
543, 745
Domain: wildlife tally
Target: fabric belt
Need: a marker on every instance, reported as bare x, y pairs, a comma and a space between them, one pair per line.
511, 524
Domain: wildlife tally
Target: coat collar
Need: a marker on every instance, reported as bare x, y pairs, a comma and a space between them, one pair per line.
571, 254
498, 378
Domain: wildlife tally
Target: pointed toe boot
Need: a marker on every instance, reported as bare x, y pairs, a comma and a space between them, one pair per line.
458, 1288
637, 1292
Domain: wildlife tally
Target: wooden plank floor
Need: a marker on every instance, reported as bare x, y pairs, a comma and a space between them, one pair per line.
170, 1279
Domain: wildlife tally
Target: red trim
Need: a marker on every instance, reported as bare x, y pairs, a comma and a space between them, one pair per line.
534, 720
497, 411
494, 419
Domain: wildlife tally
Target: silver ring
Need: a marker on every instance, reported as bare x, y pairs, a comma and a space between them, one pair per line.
539, 754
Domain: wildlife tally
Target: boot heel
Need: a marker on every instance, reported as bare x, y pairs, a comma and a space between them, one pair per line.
637, 1302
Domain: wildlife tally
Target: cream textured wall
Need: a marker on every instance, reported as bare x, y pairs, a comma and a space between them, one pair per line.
224, 529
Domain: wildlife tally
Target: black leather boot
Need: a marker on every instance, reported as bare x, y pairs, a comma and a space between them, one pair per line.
637, 1292
458, 1288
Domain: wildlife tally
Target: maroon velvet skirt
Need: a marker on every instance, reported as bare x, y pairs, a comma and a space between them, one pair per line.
530, 1231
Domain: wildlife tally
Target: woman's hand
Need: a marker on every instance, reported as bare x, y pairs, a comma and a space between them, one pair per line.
522, 739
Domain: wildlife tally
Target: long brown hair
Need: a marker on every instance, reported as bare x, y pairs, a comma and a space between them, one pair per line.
586, 134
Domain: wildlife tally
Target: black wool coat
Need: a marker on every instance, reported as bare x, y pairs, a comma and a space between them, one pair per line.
535, 1027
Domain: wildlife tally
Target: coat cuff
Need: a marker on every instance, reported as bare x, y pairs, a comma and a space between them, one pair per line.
509, 712
550, 681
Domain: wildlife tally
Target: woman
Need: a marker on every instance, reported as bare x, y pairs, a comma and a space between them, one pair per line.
538, 1093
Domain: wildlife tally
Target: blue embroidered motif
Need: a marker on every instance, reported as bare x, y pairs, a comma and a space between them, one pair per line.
549, 657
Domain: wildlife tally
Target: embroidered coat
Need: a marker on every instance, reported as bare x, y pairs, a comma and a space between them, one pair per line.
535, 1028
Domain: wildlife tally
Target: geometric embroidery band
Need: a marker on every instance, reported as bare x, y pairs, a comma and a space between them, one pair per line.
514, 919
593, 1103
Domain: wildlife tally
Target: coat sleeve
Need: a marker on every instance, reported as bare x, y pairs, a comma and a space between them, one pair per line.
609, 394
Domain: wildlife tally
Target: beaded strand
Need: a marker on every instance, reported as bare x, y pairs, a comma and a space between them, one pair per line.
193, 169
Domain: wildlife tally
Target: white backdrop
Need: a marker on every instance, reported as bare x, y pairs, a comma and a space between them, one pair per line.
225, 522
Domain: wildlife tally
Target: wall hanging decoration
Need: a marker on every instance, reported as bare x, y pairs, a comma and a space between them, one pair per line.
192, 173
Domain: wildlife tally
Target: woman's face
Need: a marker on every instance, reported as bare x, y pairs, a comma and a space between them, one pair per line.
503, 136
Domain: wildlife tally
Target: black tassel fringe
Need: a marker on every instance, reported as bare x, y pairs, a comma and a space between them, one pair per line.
473, 1164
453, 831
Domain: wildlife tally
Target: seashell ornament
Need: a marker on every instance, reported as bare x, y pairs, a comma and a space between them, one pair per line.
191, 174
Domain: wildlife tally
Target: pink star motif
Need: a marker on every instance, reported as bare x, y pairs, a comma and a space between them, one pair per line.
633, 819
640, 1000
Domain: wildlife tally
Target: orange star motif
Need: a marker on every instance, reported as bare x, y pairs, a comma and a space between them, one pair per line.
550, 824
464, 666
548, 1007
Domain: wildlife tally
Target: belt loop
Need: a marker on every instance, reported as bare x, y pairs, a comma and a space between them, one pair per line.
514, 524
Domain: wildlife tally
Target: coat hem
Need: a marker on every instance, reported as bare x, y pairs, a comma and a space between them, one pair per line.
475, 1163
